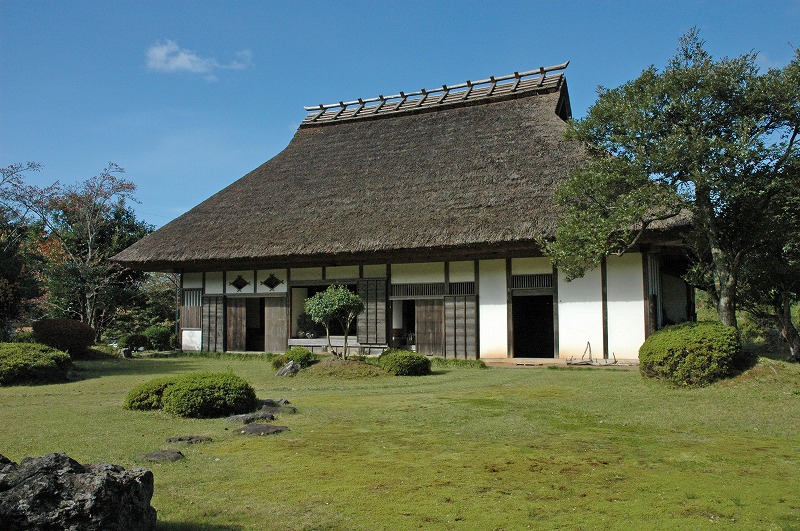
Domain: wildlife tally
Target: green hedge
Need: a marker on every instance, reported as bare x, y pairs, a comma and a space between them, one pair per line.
692, 354
148, 395
405, 363
300, 355
134, 342
22, 363
159, 337
69, 335
195, 395
209, 395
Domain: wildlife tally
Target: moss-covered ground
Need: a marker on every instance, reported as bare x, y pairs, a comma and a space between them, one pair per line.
498, 448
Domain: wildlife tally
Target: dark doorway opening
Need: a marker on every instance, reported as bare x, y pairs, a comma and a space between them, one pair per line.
254, 317
533, 326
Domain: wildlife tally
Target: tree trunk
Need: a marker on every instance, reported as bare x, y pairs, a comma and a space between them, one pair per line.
783, 317
723, 264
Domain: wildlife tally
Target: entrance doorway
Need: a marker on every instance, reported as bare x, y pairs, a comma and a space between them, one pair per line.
532, 321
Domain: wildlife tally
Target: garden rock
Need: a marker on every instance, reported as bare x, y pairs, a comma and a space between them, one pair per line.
161, 456
247, 418
276, 407
56, 492
188, 439
261, 429
290, 369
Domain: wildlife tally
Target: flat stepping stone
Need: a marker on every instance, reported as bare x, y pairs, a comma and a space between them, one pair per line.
261, 429
161, 456
247, 418
188, 439
277, 410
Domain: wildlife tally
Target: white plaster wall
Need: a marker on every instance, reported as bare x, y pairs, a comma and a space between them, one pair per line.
539, 265
247, 275
264, 274
462, 271
306, 273
337, 272
375, 271
417, 273
191, 340
580, 315
493, 309
192, 280
625, 298
214, 283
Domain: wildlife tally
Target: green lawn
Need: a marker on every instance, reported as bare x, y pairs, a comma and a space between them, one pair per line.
464, 448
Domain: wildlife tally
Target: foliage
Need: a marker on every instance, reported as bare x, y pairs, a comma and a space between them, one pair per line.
23, 363
159, 337
147, 396
23, 336
134, 342
335, 303
153, 304
68, 335
204, 395
692, 354
299, 355
707, 145
405, 363
75, 231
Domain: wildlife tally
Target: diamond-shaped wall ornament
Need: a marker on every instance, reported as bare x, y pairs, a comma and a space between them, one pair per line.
239, 283
272, 282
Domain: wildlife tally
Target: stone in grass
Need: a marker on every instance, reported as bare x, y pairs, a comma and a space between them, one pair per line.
290, 369
188, 439
276, 407
261, 429
160, 456
247, 418
56, 492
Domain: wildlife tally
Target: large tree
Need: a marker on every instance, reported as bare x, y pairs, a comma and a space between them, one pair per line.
706, 144
78, 229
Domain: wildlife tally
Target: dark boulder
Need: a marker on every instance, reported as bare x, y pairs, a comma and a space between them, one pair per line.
247, 418
290, 369
188, 439
160, 456
56, 492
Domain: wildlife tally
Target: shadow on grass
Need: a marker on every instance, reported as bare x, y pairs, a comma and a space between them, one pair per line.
182, 526
89, 369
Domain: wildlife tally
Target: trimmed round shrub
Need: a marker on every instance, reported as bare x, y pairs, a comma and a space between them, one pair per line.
692, 354
134, 342
405, 363
299, 355
22, 363
205, 395
69, 335
159, 337
148, 395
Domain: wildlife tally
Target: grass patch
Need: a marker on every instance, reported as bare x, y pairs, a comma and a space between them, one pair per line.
488, 449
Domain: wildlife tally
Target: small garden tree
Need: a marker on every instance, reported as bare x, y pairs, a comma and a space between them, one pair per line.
337, 303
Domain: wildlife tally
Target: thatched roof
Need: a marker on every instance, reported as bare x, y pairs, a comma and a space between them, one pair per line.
464, 177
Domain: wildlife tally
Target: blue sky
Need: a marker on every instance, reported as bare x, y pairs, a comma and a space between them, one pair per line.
188, 96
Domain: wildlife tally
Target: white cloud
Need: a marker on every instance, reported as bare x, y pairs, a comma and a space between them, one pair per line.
167, 56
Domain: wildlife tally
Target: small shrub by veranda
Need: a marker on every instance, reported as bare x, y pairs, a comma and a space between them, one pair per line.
159, 337
405, 363
134, 342
69, 335
147, 396
206, 395
692, 354
23, 363
299, 355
